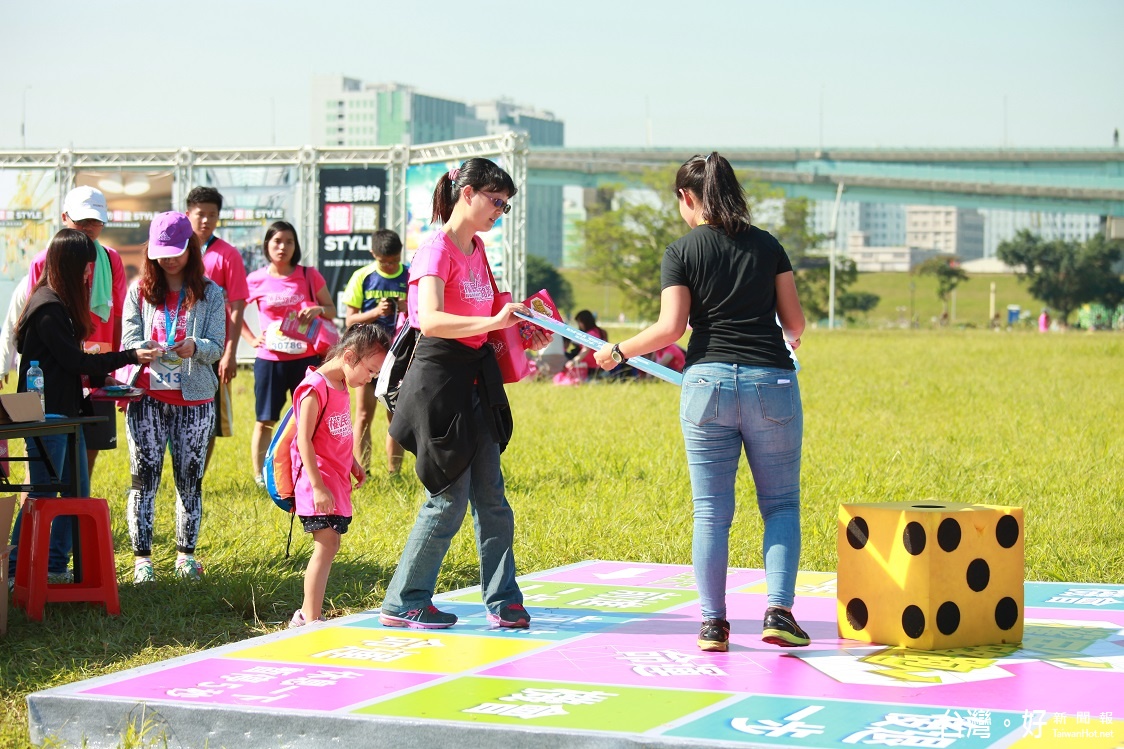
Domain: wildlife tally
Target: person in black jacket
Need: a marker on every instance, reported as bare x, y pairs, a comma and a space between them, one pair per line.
54, 323
452, 411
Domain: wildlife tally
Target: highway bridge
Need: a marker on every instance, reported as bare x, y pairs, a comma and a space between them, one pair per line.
1076, 180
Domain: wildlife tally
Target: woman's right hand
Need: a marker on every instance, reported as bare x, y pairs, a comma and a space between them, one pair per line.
505, 318
147, 355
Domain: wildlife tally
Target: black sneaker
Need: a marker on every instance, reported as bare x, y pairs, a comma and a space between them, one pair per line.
424, 618
512, 616
714, 636
780, 628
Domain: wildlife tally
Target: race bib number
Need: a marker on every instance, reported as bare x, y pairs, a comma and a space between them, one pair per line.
277, 341
165, 373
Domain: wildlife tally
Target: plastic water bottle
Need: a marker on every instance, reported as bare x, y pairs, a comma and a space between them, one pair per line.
35, 383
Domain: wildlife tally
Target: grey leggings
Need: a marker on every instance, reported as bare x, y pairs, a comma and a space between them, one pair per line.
153, 426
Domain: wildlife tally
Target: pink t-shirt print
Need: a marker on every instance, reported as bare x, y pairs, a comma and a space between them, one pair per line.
468, 286
275, 298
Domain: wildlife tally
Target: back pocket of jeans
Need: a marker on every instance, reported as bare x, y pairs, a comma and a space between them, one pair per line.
776, 402
698, 403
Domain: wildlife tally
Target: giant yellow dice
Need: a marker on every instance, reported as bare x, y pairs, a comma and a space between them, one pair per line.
930, 575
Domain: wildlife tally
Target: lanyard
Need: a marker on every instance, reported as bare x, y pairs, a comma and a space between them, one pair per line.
208, 244
170, 322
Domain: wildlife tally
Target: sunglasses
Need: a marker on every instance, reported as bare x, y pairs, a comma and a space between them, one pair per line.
499, 203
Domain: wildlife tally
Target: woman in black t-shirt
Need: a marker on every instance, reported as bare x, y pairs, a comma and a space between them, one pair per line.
735, 284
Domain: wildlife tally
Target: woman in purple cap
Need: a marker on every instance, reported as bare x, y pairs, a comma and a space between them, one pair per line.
177, 309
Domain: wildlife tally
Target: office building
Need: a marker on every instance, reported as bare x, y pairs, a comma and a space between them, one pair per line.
348, 112
946, 230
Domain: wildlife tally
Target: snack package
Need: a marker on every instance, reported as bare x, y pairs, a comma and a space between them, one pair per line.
292, 327
539, 302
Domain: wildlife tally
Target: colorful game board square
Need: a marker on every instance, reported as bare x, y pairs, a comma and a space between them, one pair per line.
546, 624
547, 703
261, 684
614, 573
820, 584
427, 651
585, 596
644, 661
815, 722
1078, 596
674, 576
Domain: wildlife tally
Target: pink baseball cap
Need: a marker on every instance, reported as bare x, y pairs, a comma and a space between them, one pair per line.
168, 235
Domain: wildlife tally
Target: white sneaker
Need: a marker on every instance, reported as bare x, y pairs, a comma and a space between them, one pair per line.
143, 572
298, 619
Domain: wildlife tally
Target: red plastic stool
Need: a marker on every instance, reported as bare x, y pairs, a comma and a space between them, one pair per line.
95, 541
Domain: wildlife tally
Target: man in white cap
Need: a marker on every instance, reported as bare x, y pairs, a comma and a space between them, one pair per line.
84, 209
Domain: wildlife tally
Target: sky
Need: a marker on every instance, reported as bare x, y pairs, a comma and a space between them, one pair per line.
201, 73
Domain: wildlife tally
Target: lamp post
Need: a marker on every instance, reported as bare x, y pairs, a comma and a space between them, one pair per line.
23, 120
834, 250
912, 288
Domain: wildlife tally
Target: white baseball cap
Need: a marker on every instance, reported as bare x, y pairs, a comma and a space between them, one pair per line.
85, 202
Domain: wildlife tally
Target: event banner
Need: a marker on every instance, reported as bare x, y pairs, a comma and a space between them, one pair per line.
133, 199
351, 211
253, 197
28, 219
421, 179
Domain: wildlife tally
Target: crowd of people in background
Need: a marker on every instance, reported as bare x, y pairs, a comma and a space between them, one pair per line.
168, 341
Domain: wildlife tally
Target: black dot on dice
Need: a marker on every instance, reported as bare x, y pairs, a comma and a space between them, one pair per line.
857, 614
979, 574
913, 538
948, 534
948, 618
913, 622
1007, 531
1006, 613
857, 533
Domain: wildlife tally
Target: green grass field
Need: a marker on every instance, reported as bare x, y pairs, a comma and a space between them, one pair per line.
972, 298
598, 472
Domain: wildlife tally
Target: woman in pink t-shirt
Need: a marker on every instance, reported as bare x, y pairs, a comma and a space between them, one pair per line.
322, 453
279, 288
452, 411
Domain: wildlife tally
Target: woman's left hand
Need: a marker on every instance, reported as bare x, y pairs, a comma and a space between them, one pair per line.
185, 349
308, 314
604, 357
540, 338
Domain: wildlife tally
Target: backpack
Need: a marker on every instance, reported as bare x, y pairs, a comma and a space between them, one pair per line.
398, 360
277, 471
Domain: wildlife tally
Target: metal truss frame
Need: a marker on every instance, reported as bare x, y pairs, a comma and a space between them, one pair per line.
511, 147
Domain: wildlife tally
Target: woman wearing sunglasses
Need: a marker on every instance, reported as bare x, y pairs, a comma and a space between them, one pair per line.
735, 283
452, 411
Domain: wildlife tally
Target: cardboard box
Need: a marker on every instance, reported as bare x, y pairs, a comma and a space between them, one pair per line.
15, 407
7, 511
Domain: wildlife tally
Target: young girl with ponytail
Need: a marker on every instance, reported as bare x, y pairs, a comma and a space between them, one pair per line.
735, 284
452, 411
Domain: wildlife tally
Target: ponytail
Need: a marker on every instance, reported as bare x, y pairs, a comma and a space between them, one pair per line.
479, 174
713, 181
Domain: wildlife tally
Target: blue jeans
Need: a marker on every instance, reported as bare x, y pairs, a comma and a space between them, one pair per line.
723, 409
439, 519
62, 539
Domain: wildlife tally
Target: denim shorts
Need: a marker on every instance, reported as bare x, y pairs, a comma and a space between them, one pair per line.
338, 523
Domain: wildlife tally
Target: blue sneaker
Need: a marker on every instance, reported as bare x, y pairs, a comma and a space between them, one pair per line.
424, 618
